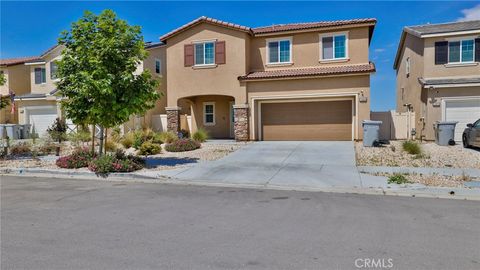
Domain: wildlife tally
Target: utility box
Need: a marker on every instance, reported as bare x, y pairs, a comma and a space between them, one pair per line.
371, 132
445, 132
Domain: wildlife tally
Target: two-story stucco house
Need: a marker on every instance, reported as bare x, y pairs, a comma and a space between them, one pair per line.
438, 75
303, 81
17, 77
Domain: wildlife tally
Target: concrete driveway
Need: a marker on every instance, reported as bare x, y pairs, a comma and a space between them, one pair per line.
292, 164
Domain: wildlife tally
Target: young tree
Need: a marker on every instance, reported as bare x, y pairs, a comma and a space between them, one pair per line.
4, 101
97, 71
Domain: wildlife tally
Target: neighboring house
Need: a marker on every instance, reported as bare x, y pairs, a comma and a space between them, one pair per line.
438, 75
302, 81
38, 105
17, 81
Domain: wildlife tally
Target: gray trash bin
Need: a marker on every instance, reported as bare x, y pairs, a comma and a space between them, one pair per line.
444, 132
2, 131
25, 131
371, 132
13, 131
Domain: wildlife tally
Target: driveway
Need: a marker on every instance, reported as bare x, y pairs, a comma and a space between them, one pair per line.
292, 164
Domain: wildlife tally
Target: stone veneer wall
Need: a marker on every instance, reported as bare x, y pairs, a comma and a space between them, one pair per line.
173, 119
241, 123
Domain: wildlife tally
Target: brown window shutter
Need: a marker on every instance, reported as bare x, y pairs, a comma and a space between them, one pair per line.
477, 50
188, 55
220, 52
441, 52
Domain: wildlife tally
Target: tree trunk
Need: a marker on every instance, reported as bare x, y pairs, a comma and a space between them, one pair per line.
100, 145
106, 137
93, 139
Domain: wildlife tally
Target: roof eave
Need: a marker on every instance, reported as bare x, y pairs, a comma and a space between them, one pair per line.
314, 29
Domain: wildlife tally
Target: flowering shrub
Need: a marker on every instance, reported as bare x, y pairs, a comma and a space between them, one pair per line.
78, 159
118, 162
182, 145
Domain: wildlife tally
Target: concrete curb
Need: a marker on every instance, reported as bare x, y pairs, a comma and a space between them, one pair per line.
442, 193
419, 170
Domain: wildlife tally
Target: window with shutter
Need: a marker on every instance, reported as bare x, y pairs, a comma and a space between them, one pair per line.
53, 70
477, 50
441, 52
189, 55
220, 57
40, 75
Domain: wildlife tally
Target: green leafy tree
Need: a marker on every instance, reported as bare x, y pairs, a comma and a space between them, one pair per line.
98, 71
4, 101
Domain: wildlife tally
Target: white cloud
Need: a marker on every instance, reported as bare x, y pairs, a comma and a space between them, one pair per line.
379, 50
470, 14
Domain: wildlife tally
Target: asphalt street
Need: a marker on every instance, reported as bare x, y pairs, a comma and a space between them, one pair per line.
83, 224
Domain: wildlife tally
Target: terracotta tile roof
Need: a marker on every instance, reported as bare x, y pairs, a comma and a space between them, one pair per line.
309, 72
16, 61
207, 20
427, 29
309, 25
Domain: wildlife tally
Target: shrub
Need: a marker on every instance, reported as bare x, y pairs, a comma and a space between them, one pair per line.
127, 140
182, 145
398, 178
47, 148
149, 148
117, 162
80, 136
411, 147
58, 130
78, 159
201, 135
20, 149
157, 138
141, 136
115, 135
168, 136
110, 146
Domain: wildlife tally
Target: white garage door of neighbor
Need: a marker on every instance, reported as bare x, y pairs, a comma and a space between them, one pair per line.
463, 111
41, 119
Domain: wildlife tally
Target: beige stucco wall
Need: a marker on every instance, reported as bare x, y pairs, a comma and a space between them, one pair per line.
327, 88
149, 64
435, 96
18, 80
220, 80
431, 70
4, 88
306, 49
409, 89
49, 85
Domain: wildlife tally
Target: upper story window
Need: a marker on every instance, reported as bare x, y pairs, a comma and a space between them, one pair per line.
40, 75
204, 53
461, 51
333, 46
158, 66
53, 70
279, 51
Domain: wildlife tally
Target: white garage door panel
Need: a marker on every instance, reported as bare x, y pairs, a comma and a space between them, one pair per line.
41, 119
463, 111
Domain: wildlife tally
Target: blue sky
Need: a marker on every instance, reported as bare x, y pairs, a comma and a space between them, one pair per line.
29, 28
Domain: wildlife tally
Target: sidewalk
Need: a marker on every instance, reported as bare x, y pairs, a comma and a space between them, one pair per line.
372, 185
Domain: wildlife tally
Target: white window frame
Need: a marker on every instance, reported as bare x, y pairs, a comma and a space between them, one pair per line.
460, 58
205, 104
333, 35
407, 66
42, 82
160, 66
203, 42
270, 40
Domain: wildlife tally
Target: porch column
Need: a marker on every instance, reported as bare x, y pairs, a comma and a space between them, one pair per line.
173, 119
240, 112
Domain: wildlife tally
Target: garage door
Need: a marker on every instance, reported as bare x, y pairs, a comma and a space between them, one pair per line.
307, 121
42, 118
463, 111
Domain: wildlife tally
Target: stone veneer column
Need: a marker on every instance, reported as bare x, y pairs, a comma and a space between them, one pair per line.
173, 119
240, 112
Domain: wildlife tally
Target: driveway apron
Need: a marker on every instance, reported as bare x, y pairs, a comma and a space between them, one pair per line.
286, 164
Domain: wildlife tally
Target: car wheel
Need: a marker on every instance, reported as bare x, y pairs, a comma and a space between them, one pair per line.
465, 141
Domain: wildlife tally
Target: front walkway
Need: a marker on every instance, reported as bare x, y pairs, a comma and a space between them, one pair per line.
292, 164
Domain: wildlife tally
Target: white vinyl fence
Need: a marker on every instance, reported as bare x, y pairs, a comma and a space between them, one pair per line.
395, 125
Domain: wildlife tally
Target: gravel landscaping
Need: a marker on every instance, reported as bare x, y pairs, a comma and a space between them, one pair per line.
432, 155
434, 180
165, 160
